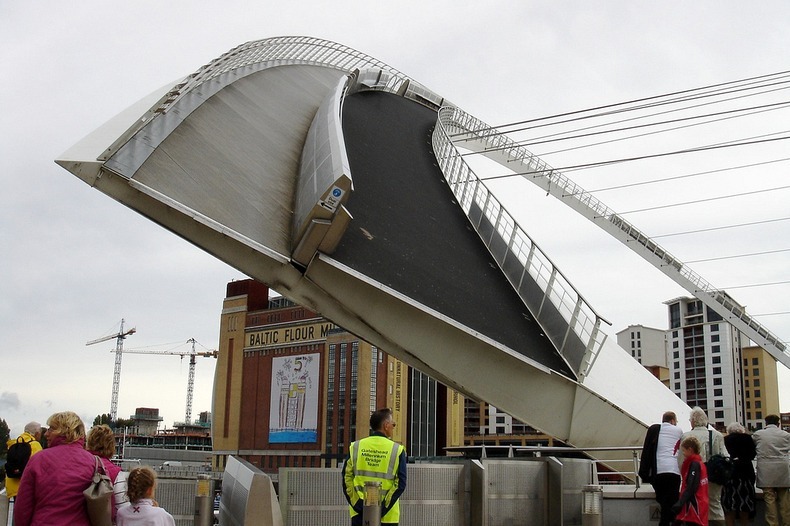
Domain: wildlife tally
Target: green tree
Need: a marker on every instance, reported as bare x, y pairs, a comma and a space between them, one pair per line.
117, 425
123, 422
102, 419
5, 434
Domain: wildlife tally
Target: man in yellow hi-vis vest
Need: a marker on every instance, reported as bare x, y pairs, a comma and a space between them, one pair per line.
376, 458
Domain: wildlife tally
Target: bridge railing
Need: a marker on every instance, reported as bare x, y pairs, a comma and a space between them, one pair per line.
481, 206
474, 132
621, 466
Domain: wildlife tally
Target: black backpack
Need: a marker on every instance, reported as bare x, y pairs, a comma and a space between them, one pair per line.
16, 458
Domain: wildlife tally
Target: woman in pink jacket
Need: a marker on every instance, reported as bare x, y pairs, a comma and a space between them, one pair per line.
50, 491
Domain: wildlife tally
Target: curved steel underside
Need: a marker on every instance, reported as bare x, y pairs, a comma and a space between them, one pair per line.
409, 275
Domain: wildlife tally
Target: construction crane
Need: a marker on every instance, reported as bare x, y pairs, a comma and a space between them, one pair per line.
191, 381
120, 336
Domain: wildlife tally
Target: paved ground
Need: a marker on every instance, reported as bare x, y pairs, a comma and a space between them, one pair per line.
409, 234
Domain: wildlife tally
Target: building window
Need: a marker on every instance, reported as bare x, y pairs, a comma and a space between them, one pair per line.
717, 359
746, 383
717, 381
714, 327
677, 376
677, 386
758, 415
714, 337
675, 345
676, 355
717, 392
755, 361
755, 372
715, 349
717, 370
718, 403
758, 404
757, 382
757, 393
674, 316
719, 414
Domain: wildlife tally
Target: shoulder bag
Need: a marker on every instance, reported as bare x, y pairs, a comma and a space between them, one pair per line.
719, 467
98, 496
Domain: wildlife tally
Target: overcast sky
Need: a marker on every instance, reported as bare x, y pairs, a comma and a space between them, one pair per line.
74, 262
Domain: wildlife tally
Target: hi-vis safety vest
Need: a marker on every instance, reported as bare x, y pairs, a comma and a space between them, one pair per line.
376, 458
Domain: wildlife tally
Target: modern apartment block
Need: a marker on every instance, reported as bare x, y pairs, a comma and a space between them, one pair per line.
647, 345
760, 385
705, 360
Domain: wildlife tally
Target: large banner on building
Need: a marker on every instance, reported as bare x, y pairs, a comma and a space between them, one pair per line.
293, 410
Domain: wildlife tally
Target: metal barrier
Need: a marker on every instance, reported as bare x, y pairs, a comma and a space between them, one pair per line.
621, 466
6, 510
204, 508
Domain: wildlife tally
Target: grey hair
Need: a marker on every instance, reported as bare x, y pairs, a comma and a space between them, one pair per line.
33, 428
698, 417
735, 427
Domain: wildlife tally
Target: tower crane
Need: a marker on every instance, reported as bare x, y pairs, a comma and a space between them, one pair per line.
191, 381
120, 336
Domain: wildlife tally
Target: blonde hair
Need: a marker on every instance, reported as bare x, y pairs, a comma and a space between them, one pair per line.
68, 425
692, 443
140, 481
101, 441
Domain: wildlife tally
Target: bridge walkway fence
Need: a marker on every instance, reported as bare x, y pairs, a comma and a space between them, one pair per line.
502, 486
176, 490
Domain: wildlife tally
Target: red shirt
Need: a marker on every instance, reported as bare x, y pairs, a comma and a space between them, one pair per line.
693, 491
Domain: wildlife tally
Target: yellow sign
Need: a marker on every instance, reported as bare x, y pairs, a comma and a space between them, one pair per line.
288, 335
397, 404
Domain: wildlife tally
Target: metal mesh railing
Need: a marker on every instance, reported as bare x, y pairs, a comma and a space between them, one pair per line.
464, 127
260, 54
469, 190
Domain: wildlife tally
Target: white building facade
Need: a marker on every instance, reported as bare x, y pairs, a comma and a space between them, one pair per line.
705, 360
647, 345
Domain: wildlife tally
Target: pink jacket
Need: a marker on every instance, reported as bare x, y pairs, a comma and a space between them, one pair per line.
50, 491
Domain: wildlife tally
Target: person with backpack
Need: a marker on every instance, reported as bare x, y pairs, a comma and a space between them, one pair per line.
18, 453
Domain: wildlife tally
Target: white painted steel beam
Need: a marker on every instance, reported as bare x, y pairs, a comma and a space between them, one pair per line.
222, 171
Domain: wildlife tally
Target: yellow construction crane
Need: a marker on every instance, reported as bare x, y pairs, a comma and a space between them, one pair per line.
119, 337
191, 382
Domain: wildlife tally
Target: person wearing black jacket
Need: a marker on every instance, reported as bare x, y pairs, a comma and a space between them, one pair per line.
737, 496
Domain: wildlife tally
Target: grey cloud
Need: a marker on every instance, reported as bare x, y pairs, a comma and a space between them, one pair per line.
9, 401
